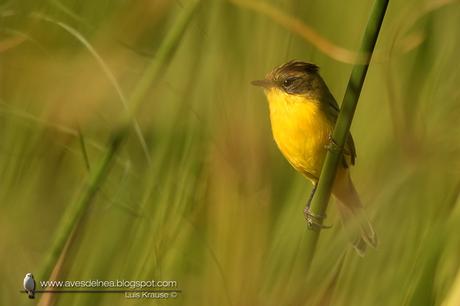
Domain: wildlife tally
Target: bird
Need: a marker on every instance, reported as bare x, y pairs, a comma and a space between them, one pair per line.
29, 285
303, 113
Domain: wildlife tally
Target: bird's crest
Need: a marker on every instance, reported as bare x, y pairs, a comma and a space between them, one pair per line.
293, 67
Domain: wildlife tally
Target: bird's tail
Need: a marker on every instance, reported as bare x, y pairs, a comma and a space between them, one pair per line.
31, 294
353, 215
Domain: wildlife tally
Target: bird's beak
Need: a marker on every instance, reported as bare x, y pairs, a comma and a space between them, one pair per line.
263, 83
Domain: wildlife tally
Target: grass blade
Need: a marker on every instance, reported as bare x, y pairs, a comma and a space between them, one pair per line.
76, 210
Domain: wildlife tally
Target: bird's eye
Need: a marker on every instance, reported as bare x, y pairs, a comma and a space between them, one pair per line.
288, 82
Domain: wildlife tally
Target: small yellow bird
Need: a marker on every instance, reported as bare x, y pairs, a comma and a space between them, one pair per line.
303, 113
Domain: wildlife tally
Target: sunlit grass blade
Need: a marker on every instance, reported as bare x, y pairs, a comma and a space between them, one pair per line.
295, 25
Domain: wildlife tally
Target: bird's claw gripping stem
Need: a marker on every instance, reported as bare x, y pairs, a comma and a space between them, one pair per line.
314, 221
332, 145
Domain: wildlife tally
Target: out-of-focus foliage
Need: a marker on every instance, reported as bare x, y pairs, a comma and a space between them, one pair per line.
217, 208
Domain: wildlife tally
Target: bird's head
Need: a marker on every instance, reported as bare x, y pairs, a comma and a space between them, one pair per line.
293, 78
29, 275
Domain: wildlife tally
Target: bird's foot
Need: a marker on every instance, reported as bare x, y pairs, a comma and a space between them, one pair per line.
314, 221
333, 146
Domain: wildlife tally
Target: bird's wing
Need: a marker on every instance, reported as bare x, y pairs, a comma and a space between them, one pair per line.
350, 146
334, 108
332, 111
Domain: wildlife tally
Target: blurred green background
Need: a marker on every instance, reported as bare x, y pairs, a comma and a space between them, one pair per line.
209, 201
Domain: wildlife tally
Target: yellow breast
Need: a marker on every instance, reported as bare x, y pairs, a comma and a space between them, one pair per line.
301, 131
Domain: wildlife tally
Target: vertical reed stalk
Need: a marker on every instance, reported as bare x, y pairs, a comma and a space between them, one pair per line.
76, 210
350, 100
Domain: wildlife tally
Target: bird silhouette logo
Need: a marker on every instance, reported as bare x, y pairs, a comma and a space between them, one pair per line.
29, 285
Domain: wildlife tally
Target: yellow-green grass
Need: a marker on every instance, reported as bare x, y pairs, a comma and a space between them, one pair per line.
215, 206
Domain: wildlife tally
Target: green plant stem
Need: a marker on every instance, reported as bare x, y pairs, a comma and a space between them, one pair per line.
163, 55
77, 209
350, 100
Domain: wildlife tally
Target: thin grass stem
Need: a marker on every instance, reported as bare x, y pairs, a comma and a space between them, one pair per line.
76, 210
